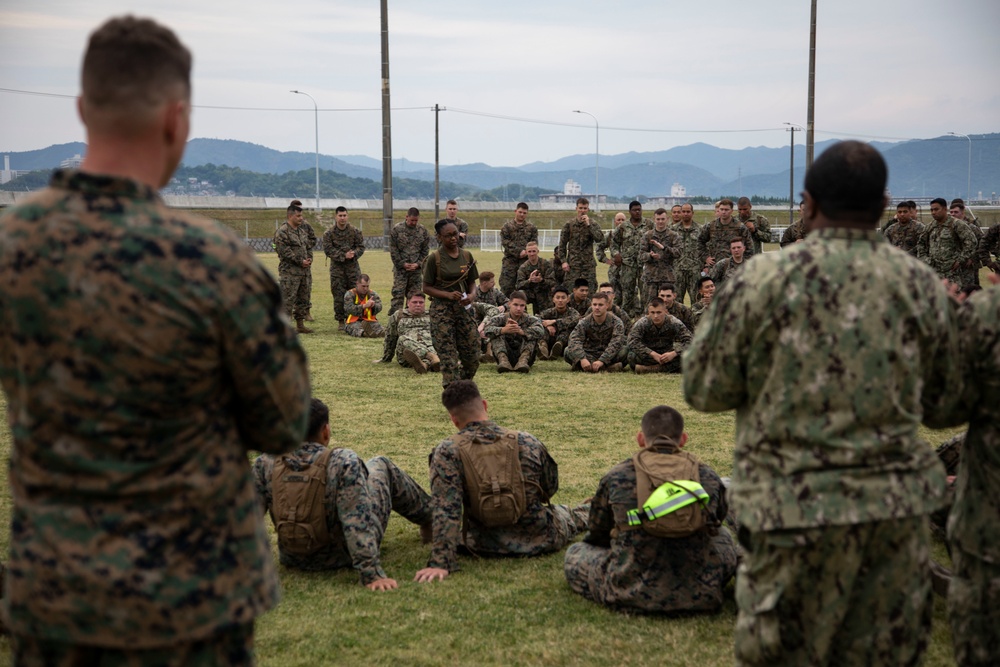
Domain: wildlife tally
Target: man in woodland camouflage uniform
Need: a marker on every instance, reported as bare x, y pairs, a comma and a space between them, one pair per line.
632, 570
542, 528
489, 293
657, 340
343, 244
958, 211
831, 489
295, 257
627, 241
535, 279
514, 336
905, 232
795, 232
727, 268
759, 226
409, 244
668, 294
408, 337
143, 352
660, 250
947, 244
602, 253
451, 215
559, 322
358, 498
688, 265
713, 242
597, 340
361, 305
514, 238
576, 246
311, 242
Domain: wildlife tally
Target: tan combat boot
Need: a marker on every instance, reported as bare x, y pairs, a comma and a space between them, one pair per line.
309, 316
615, 367
488, 355
522, 365
640, 369
435, 362
301, 327
557, 351
410, 357
503, 364
340, 325
543, 350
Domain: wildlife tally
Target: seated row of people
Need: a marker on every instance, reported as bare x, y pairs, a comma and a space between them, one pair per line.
491, 491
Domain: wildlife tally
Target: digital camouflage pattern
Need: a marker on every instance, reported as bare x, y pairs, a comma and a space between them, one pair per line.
981, 258
576, 247
311, 240
698, 311
628, 240
363, 328
538, 293
596, 342
513, 240
292, 246
683, 313
494, 298
344, 273
991, 244
947, 246
632, 570
359, 498
715, 236
601, 250
542, 529
793, 233
646, 337
407, 332
407, 245
513, 345
564, 324
152, 346
617, 312
453, 326
658, 270
974, 594
688, 265
761, 233
724, 270
905, 236
581, 307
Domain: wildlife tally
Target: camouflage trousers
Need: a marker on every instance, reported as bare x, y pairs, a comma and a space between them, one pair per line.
403, 282
614, 277
365, 329
392, 490
295, 294
589, 272
231, 645
627, 294
840, 595
974, 610
539, 299
309, 290
586, 567
642, 359
560, 337
343, 276
562, 523
508, 275
686, 282
621, 357
513, 347
456, 340
420, 348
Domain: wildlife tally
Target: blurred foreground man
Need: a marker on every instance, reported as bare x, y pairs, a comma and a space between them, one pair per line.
830, 381
143, 352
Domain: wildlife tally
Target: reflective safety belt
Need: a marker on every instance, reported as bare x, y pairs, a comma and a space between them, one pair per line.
668, 497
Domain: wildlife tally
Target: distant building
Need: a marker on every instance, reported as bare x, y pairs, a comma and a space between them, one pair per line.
7, 174
571, 192
678, 195
71, 162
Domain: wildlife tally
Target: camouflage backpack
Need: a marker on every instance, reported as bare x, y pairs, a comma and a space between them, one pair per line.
491, 473
671, 499
298, 508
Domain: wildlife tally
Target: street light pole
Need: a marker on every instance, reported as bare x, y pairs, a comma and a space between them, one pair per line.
791, 174
597, 159
319, 208
968, 193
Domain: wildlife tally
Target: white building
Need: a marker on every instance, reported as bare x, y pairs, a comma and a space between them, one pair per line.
71, 162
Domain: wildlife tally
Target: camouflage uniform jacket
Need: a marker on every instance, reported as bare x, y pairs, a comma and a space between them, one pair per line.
143, 352
403, 326
628, 239
355, 531
660, 270
794, 232
582, 307
761, 233
514, 238
698, 311
338, 242
715, 236
310, 236
533, 534
683, 313
602, 341
374, 303
646, 337
972, 524
463, 228
690, 258
576, 243
408, 245
482, 311
292, 245
905, 236
991, 241
530, 325
617, 311
494, 297
724, 270
602, 248
564, 321
805, 350
982, 255
540, 289
944, 243
647, 572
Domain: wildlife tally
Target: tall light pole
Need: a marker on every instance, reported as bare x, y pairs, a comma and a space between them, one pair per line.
597, 159
968, 194
791, 173
386, 128
811, 107
319, 208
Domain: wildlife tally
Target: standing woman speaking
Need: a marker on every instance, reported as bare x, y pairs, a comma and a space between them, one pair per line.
450, 275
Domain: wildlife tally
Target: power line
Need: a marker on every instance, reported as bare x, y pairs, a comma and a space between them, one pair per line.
603, 127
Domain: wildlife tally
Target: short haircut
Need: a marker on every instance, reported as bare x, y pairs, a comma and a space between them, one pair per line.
518, 294
581, 282
451, 202
521, 204
743, 201
690, 206
415, 293
413, 212
600, 296
725, 202
293, 207
319, 416
662, 420
660, 211
940, 202
734, 240
912, 204
847, 182
902, 204
341, 209
582, 200
703, 280
675, 206
560, 288
364, 277
958, 202
656, 301
486, 276
632, 204
460, 396
531, 243
667, 286
442, 223
132, 66
605, 284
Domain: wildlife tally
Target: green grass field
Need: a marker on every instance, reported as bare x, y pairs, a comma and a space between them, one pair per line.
493, 612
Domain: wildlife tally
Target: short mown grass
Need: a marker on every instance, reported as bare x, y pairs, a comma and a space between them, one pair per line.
492, 612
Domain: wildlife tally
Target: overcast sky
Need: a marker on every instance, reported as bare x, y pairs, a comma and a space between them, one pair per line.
655, 73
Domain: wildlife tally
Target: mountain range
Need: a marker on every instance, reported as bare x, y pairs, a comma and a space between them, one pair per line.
918, 168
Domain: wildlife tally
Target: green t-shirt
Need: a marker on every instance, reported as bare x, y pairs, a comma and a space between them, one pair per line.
451, 270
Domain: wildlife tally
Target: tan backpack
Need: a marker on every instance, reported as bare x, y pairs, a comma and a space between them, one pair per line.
678, 474
298, 506
491, 473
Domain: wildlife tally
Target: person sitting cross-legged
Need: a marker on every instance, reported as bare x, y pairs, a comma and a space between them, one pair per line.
657, 340
361, 304
514, 335
597, 340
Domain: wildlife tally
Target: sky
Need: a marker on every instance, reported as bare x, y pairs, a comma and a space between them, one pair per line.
654, 73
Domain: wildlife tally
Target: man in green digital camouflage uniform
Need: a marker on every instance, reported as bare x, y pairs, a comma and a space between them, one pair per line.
343, 244
514, 336
597, 340
947, 244
535, 279
576, 246
514, 238
759, 226
559, 322
626, 251
713, 242
295, 257
656, 341
832, 484
409, 245
143, 352
660, 252
905, 232
688, 265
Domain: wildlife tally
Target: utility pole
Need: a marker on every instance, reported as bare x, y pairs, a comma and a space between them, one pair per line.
811, 111
386, 131
437, 164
